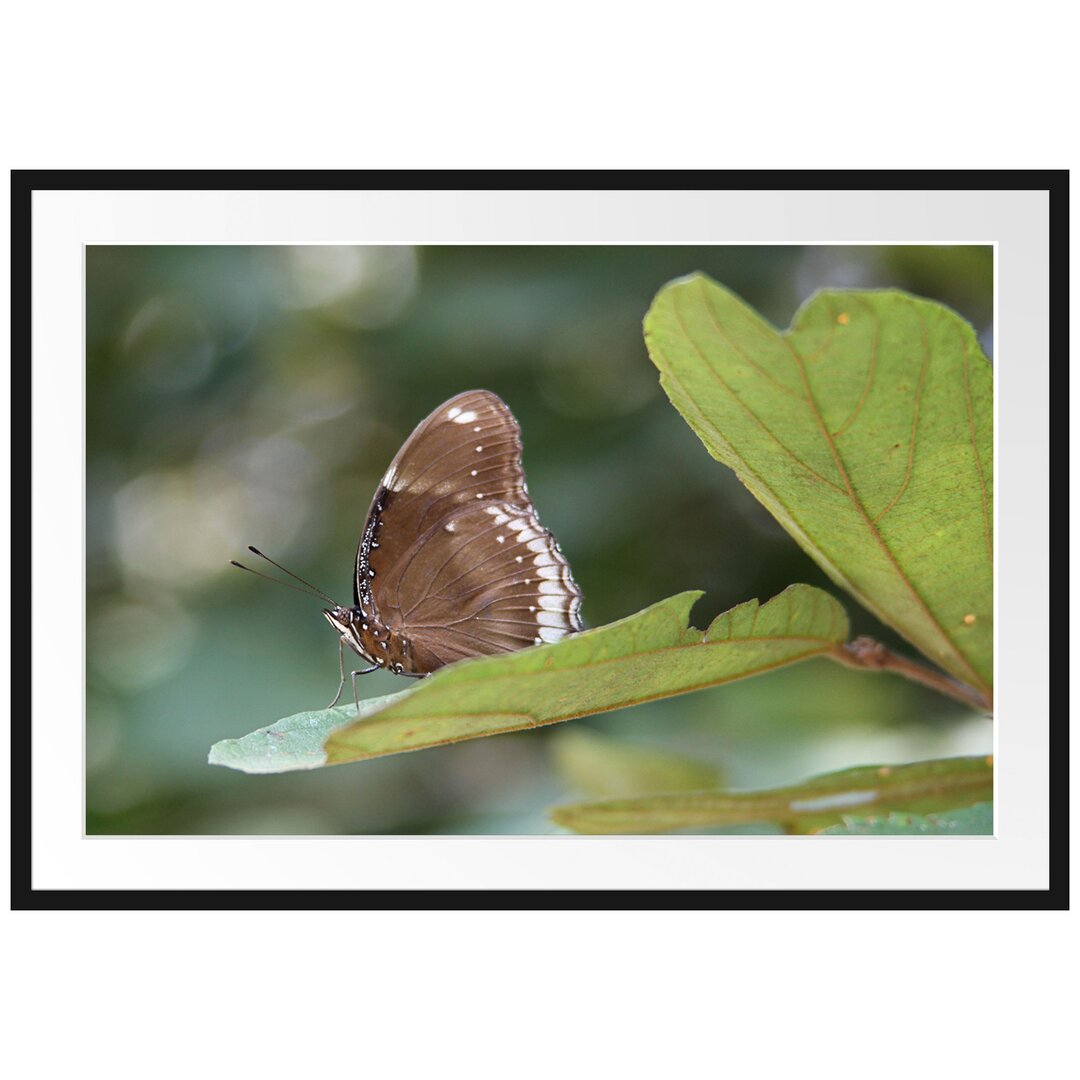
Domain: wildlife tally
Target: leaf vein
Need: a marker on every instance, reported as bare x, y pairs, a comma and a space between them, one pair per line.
750, 412
871, 370
914, 420
735, 347
875, 535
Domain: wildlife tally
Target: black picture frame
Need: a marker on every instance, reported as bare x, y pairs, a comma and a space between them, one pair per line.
24, 183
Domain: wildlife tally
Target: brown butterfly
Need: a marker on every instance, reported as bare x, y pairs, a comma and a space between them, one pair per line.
453, 561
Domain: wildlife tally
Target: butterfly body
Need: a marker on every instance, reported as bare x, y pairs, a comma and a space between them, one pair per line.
372, 640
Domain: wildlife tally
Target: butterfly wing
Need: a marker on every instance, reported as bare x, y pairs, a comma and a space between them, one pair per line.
489, 578
453, 556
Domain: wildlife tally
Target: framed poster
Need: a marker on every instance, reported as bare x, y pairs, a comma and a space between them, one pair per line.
217, 360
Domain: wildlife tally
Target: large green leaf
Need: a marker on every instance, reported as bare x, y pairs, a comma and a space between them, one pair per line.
866, 430
824, 800
650, 655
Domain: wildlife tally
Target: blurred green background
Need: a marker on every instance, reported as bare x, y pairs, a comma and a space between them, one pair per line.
255, 395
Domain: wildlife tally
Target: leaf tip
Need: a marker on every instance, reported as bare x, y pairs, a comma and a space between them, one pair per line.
219, 753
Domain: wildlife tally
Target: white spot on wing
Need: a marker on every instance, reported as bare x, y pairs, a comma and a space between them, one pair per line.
459, 417
551, 633
453, 413
551, 619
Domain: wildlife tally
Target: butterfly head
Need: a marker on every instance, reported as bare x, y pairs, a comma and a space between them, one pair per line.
341, 619
359, 631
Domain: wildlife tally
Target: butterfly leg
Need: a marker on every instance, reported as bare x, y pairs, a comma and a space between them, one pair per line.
366, 671
341, 665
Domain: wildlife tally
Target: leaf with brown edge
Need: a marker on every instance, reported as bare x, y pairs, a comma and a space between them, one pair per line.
866, 430
650, 655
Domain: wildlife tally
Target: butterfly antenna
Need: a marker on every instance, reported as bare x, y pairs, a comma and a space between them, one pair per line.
297, 577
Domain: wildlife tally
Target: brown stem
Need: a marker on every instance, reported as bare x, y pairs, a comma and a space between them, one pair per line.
866, 654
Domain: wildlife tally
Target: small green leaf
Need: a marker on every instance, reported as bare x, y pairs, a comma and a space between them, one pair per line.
807, 807
977, 820
866, 430
650, 655
296, 742
602, 766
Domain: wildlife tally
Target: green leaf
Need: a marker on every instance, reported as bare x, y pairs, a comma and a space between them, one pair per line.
977, 820
650, 655
866, 430
601, 766
924, 786
296, 742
